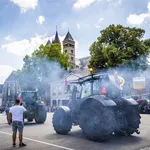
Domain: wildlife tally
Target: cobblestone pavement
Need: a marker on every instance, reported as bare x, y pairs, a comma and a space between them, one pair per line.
43, 137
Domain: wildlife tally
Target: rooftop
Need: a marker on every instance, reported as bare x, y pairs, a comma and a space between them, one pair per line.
69, 37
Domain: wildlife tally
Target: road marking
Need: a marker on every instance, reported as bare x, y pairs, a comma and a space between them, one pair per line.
50, 144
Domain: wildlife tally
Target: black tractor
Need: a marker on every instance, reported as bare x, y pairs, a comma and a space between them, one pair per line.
98, 107
36, 109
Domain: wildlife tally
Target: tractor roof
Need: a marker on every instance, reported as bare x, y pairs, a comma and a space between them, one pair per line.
89, 78
28, 91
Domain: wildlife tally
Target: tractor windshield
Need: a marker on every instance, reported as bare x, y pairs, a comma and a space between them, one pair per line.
90, 88
29, 97
86, 89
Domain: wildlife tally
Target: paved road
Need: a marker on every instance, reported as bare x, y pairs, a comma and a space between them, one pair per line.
43, 137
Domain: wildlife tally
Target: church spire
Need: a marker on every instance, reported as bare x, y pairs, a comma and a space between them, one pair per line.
48, 42
56, 40
69, 37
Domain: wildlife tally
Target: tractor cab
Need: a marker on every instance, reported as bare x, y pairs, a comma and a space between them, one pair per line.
28, 97
99, 84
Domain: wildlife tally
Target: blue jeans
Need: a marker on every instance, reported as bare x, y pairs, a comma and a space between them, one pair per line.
17, 125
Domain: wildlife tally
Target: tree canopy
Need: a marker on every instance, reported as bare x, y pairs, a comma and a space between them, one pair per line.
46, 64
120, 46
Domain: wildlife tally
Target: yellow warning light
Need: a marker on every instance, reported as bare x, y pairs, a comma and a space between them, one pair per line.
91, 70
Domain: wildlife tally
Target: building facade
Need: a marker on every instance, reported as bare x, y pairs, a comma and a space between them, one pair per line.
10, 90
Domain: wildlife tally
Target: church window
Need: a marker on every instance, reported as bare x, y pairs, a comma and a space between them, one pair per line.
71, 58
70, 45
66, 45
72, 51
65, 51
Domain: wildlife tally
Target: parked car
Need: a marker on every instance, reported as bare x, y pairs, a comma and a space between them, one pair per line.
143, 101
147, 106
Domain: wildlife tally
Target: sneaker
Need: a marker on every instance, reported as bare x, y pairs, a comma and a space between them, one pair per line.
14, 145
22, 145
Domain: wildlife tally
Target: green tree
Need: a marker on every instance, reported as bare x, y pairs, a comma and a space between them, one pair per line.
120, 46
44, 65
51, 53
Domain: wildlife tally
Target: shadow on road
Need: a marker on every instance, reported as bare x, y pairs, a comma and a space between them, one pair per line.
113, 140
31, 124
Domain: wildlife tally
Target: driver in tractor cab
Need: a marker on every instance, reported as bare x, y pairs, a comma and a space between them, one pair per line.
112, 87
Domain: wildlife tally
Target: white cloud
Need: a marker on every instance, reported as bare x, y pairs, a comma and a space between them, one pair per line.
40, 20
137, 19
148, 6
25, 4
117, 1
98, 23
78, 26
134, 19
8, 38
76, 44
83, 3
97, 26
100, 20
5, 71
27, 46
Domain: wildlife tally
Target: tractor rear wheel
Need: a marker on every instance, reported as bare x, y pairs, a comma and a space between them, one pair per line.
62, 120
96, 122
132, 117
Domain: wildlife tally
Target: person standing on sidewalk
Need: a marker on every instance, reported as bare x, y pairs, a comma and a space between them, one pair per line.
16, 115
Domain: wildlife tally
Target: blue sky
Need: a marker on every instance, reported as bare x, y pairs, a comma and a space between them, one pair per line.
25, 24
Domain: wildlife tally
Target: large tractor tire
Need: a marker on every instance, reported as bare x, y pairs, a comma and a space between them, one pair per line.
133, 120
62, 120
41, 114
97, 122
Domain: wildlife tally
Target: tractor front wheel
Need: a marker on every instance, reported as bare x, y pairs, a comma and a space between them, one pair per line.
41, 114
62, 120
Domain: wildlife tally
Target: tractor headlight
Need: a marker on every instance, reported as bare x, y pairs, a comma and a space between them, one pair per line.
148, 101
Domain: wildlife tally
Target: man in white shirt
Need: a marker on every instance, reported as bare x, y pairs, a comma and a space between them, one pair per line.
16, 114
